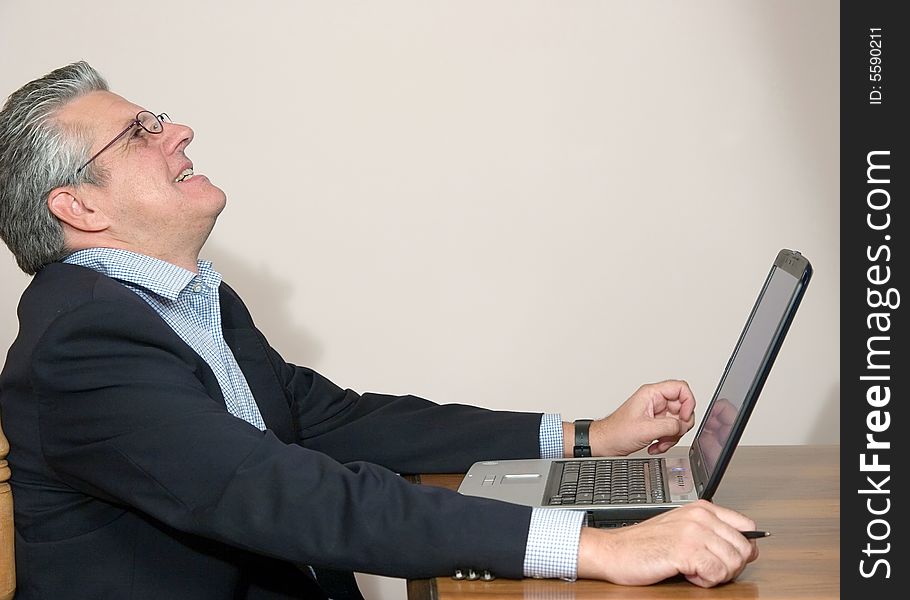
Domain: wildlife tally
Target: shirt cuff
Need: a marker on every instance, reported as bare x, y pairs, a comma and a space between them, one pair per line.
552, 549
551, 436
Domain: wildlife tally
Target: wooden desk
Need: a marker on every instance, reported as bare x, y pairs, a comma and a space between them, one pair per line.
792, 491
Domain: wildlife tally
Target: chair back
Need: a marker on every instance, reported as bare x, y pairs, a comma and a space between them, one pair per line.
7, 535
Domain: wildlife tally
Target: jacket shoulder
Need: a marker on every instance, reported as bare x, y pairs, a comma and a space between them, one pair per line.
61, 288
69, 285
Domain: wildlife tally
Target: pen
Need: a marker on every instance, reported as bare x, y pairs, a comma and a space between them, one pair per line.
754, 535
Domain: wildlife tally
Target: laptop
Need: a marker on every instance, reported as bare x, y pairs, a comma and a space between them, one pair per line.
616, 491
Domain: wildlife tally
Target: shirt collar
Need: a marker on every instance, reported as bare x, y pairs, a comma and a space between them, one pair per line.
157, 276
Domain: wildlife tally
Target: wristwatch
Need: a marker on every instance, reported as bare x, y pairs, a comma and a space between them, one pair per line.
582, 442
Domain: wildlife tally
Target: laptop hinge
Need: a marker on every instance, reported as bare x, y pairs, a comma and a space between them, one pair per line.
699, 473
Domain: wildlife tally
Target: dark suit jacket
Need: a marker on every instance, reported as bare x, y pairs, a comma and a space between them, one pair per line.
131, 479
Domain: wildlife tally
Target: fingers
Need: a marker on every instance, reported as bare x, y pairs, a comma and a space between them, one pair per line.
719, 561
679, 397
727, 525
701, 541
673, 400
667, 431
737, 521
723, 552
655, 417
671, 397
726, 554
662, 445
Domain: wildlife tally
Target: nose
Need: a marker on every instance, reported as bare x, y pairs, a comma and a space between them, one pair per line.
176, 137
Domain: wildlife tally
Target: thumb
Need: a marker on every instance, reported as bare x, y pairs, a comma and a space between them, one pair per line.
661, 427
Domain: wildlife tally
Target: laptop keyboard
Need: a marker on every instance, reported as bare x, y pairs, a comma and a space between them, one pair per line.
614, 481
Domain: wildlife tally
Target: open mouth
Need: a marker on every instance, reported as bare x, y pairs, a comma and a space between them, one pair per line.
184, 175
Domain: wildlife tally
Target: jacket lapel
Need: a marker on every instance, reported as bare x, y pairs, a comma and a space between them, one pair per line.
247, 344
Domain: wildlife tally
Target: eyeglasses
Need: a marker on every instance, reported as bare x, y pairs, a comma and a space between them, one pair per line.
146, 120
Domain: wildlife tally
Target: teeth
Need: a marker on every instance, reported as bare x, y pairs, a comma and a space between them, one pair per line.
184, 175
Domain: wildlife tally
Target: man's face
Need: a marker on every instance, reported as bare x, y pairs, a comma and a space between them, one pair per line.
148, 209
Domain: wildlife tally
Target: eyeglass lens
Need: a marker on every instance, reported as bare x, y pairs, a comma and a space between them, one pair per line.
150, 122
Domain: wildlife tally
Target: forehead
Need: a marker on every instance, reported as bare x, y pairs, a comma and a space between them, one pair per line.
98, 111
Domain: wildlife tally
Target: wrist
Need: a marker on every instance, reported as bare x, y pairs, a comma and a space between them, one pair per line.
590, 554
582, 446
568, 439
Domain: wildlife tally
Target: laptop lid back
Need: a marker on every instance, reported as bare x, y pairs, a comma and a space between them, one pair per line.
747, 370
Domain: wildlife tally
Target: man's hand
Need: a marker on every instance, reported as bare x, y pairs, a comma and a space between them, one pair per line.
655, 417
701, 541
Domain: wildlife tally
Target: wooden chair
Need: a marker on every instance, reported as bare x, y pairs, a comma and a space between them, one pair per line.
7, 535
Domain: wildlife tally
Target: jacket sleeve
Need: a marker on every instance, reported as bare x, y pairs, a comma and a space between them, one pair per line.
124, 417
407, 434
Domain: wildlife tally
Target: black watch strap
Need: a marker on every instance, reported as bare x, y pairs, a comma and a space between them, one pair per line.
582, 441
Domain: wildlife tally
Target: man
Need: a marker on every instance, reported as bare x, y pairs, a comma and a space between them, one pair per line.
162, 449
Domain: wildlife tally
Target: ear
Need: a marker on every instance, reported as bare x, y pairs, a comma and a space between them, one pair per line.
75, 211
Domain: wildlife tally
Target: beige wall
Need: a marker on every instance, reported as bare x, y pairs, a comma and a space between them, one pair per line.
521, 205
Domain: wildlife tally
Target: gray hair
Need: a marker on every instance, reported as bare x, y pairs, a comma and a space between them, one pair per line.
38, 154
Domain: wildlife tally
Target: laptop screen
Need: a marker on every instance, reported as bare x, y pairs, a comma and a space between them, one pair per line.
746, 370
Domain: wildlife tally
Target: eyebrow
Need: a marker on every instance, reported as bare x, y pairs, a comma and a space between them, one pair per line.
127, 125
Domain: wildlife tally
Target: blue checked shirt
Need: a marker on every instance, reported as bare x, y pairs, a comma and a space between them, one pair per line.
189, 304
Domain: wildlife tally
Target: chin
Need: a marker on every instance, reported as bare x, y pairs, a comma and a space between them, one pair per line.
222, 202
216, 198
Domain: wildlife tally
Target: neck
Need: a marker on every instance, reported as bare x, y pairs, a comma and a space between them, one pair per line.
182, 252
186, 260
